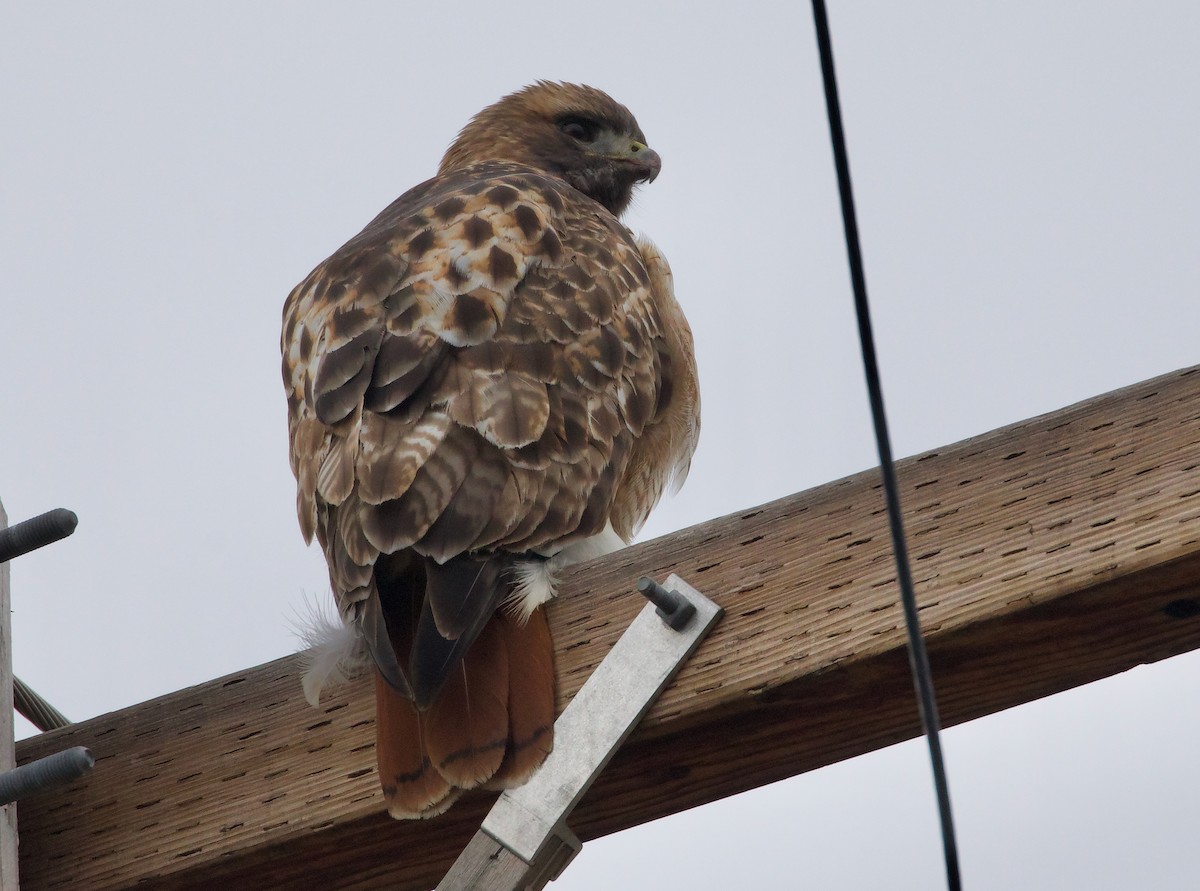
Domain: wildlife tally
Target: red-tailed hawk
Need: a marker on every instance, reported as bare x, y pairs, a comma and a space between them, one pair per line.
492, 380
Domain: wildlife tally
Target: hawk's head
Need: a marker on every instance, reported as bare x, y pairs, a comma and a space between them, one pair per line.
572, 131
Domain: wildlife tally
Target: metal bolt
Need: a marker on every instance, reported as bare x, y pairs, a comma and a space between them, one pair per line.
53, 770
36, 532
672, 607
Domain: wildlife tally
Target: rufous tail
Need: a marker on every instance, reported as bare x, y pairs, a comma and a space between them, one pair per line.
412, 787
491, 725
530, 697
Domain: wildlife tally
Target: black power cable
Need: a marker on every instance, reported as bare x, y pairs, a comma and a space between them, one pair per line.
917, 657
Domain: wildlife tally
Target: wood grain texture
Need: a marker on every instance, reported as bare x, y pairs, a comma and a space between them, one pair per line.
1047, 554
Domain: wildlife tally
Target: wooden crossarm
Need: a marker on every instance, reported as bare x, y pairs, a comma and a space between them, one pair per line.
1047, 554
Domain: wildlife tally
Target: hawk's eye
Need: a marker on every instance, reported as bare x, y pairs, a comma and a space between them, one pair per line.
580, 129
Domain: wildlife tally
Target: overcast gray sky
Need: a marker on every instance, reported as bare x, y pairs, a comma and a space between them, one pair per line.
1030, 211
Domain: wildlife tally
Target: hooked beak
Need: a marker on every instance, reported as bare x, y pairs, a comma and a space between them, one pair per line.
642, 160
645, 161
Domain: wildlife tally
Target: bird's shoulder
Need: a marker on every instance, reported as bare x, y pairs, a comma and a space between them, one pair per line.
524, 209
442, 265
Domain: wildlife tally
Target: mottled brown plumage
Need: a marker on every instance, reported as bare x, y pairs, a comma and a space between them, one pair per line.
491, 380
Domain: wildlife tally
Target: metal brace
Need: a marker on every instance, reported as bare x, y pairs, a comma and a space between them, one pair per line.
525, 842
45, 773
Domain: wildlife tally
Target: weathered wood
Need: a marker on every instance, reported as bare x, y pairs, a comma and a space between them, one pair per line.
8, 757
1048, 554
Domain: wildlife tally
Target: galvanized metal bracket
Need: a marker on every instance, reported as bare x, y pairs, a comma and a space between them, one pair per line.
524, 841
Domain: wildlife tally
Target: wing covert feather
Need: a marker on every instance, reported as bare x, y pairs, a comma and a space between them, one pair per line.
469, 372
